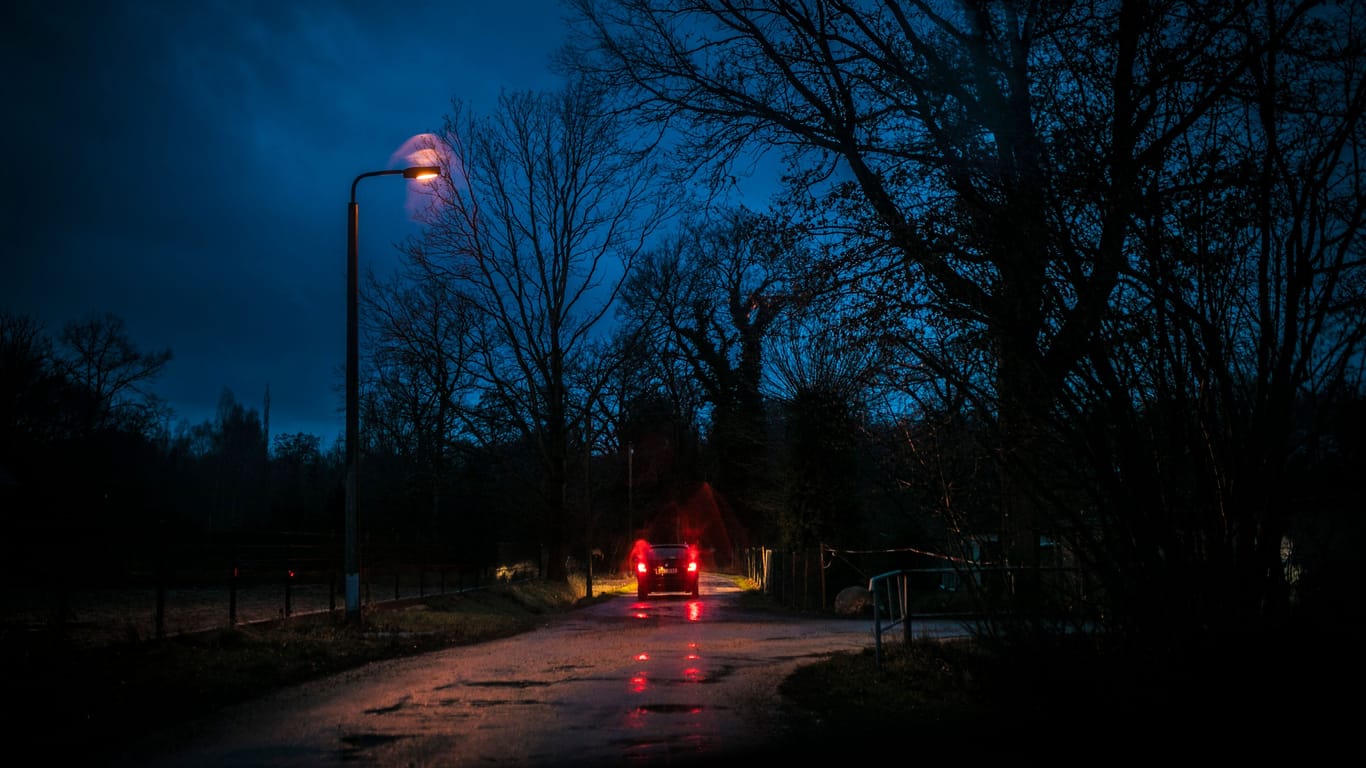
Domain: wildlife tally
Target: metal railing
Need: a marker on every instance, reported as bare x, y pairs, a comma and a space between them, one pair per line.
890, 592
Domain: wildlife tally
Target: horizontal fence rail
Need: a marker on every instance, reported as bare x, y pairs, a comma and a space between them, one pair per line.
194, 584
938, 583
907, 582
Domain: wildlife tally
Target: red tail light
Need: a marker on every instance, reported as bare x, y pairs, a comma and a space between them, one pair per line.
640, 567
692, 566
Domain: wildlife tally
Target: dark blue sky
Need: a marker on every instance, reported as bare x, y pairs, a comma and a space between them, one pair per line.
187, 165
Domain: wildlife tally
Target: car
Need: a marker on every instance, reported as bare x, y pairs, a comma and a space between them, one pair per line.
667, 568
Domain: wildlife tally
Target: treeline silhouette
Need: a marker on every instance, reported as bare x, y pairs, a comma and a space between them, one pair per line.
100, 490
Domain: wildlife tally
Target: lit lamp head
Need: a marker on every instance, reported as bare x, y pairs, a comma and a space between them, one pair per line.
422, 172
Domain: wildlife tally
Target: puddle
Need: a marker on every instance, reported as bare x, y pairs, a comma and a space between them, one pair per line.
509, 683
501, 702
671, 709
355, 744
386, 710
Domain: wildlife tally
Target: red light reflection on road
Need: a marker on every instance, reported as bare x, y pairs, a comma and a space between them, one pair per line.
692, 675
642, 657
695, 610
639, 683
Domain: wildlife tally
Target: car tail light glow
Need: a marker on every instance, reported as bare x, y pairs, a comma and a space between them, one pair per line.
692, 566
640, 567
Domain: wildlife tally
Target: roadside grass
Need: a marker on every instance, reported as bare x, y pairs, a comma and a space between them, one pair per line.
1076, 700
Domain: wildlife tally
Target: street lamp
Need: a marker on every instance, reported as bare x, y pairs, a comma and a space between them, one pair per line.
353, 389
630, 488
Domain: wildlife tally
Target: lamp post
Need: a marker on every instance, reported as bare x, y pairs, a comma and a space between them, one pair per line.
352, 542
630, 492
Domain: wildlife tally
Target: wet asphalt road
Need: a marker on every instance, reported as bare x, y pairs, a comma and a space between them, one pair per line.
670, 680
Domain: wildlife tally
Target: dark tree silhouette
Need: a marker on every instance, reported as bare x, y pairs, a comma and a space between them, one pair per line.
99, 356
419, 379
543, 210
1007, 176
709, 298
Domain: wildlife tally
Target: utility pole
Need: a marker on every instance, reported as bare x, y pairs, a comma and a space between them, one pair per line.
588, 500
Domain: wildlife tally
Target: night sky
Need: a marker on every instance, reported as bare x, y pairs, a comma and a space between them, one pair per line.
186, 166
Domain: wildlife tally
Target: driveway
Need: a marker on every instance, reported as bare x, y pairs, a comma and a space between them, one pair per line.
663, 681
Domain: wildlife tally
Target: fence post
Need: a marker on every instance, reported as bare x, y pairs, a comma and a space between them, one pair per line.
806, 578
232, 595
768, 569
163, 575
820, 563
906, 606
877, 624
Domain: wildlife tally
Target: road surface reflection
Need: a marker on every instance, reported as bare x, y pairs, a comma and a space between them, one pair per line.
670, 680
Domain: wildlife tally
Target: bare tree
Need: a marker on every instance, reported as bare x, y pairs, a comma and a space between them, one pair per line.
1233, 334
709, 298
545, 206
823, 383
995, 158
419, 328
100, 357
650, 408
32, 389
231, 460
